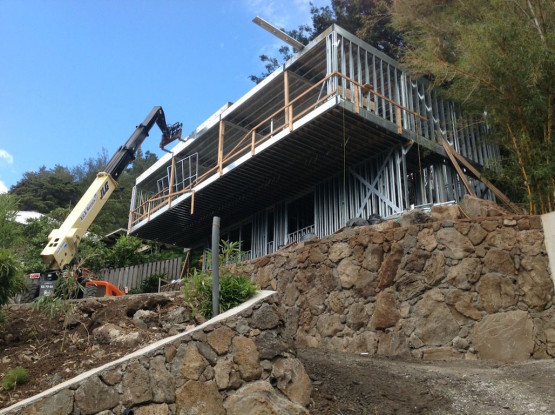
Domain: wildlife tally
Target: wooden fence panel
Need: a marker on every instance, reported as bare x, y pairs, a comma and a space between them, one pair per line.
132, 277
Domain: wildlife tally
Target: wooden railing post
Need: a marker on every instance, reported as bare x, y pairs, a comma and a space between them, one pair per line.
399, 121
355, 92
172, 178
253, 141
288, 108
192, 201
221, 146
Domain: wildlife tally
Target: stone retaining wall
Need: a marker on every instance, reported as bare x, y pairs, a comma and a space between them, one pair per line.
445, 289
235, 364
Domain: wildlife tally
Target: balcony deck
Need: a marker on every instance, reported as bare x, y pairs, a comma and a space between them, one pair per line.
335, 104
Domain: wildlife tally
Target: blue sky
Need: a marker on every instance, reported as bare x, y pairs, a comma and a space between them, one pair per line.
78, 76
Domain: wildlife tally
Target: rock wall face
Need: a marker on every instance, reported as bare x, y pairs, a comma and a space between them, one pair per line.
239, 365
443, 289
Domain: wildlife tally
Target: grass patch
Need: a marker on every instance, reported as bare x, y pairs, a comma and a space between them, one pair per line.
14, 377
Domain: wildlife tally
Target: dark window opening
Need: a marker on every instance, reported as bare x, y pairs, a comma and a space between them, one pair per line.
300, 213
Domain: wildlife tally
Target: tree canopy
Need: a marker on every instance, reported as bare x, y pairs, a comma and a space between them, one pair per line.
47, 190
495, 57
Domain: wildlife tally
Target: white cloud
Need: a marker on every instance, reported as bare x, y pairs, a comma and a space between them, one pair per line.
3, 187
6, 156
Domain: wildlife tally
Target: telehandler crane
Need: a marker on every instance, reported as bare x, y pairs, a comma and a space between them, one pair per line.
62, 244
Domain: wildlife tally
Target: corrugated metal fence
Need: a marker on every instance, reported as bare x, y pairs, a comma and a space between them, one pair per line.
132, 277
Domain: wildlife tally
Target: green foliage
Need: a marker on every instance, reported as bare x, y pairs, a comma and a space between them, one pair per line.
61, 187
150, 284
50, 305
198, 292
35, 235
60, 304
125, 252
14, 377
11, 277
10, 230
45, 190
496, 56
234, 290
94, 254
229, 253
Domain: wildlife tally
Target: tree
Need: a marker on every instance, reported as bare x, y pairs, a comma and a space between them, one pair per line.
126, 252
10, 230
45, 190
495, 56
11, 277
370, 20
61, 188
35, 236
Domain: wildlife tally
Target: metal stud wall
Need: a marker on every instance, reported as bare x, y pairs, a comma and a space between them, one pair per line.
294, 125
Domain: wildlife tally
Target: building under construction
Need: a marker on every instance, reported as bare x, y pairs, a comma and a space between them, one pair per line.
340, 131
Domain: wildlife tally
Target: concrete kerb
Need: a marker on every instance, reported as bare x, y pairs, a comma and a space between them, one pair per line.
548, 223
260, 296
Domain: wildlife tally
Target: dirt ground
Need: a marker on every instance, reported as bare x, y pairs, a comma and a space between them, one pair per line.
351, 384
52, 355
343, 384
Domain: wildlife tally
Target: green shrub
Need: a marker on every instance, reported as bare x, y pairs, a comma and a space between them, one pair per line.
14, 377
150, 284
12, 281
234, 290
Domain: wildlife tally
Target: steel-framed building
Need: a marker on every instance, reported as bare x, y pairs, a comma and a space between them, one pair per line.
339, 131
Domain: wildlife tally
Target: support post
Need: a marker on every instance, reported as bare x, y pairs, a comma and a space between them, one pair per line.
451, 155
253, 142
215, 266
221, 146
399, 120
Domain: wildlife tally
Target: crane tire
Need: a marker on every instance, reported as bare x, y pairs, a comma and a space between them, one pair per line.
29, 295
90, 291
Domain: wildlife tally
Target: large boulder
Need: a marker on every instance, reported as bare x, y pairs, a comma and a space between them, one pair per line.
220, 339
136, 385
161, 380
292, 380
386, 313
475, 207
94, 396
445, 212
199, 398
497, 292
436, 325
507, 337
260, 398
59, 404
246, 356
194, 363
535, 282
457, 246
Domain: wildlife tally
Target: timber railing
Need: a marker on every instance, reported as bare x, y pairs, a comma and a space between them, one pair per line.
361, 95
